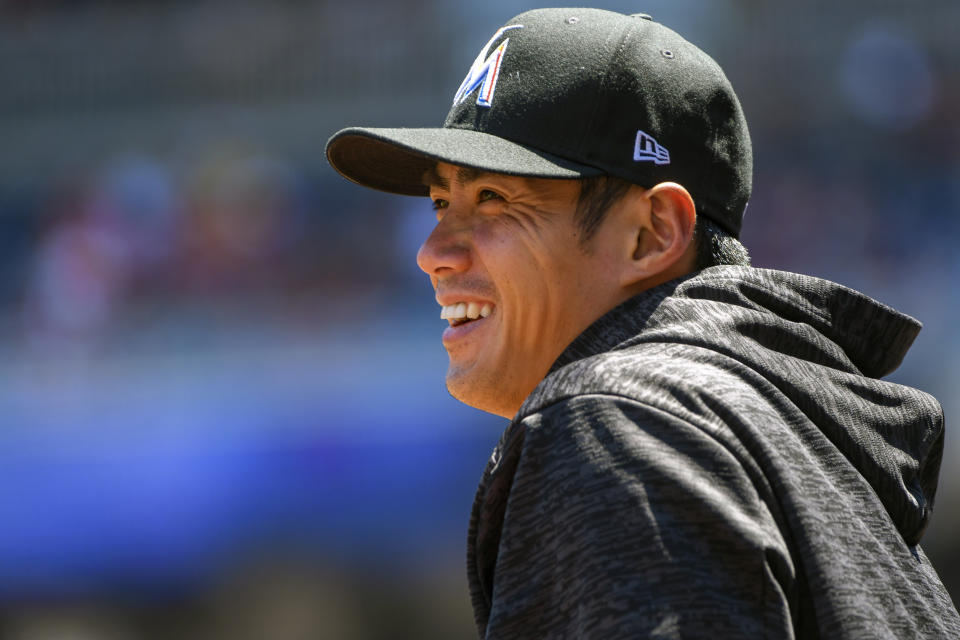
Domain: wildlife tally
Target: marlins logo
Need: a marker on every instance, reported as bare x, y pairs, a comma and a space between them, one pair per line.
485, 71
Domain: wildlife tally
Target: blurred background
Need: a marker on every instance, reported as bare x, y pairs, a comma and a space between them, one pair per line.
221, 379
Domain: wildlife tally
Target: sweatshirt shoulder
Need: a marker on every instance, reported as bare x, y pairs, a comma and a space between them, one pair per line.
688, 382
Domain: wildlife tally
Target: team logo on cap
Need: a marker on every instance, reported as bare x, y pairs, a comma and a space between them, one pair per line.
645, 148
484, 71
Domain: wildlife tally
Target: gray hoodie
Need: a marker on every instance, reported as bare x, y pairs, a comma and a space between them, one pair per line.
717, 458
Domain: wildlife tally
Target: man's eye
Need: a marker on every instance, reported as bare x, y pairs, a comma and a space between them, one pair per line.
487, 194
440, 203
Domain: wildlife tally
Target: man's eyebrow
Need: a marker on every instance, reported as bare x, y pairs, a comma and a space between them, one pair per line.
464, 175
431, 177
468, 174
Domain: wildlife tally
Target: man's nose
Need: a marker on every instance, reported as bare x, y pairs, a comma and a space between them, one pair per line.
446, 250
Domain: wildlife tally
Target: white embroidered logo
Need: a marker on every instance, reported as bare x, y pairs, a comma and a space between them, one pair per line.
484, 71
645, 148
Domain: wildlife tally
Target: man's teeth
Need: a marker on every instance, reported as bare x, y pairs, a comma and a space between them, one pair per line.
462, 310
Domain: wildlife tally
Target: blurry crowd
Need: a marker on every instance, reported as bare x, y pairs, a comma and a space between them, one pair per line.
134, 231
138, 236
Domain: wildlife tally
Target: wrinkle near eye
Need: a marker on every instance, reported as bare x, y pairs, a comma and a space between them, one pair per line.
534, 216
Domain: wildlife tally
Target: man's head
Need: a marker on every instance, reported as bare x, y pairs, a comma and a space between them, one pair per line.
518, 279
580, 151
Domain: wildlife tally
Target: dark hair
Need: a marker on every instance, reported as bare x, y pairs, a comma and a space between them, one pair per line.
714, 245
597, 195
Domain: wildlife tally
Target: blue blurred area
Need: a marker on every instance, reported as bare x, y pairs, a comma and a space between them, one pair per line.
151, 470
221, 381
161, 489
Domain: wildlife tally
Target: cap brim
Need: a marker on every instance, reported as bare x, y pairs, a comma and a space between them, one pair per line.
396, 160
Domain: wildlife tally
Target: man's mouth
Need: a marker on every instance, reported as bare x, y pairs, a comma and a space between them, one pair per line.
463, 312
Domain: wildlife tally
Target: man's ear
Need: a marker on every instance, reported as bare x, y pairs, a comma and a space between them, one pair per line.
663, 248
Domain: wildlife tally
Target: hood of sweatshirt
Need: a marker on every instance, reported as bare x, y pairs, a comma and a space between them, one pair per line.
824, 346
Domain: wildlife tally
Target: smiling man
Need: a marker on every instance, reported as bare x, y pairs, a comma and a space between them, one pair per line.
518, 280
696, 448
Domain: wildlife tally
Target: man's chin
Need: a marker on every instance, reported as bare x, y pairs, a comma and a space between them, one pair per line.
481, 392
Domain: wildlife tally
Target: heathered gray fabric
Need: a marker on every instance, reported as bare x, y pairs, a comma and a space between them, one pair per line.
717, 458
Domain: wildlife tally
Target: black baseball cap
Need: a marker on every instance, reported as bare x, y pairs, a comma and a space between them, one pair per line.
571, 93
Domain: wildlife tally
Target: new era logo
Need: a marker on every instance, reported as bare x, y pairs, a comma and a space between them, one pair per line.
645, 148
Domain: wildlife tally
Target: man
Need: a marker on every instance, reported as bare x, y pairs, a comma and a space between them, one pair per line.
697, 448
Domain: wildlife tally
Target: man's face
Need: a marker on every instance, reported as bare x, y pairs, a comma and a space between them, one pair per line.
508, 250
